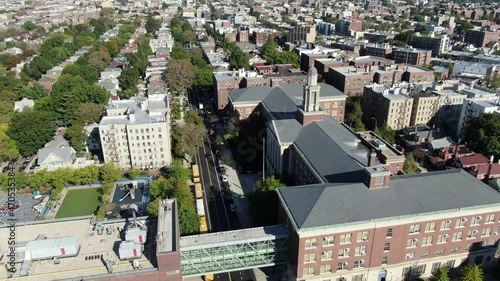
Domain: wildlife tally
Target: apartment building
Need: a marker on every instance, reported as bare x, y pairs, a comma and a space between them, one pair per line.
383, 50
481, 38
412, 56
473, 107
439, 107
377, 37
361, 231
305, 33
350, 79
438, 44
135, 134
391, 106
417, 74
225, 82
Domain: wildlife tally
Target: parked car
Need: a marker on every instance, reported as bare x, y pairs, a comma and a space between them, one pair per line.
224, 178
232, 207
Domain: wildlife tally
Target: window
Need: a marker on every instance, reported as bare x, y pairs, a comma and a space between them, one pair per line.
342, 266
325, 268
427, 241
476, 220
414, 228
387, 247
359, 264
309, 271
467, 247
457, 236
490, 218
359, 277
424, 253
461, 222
446, 225
361, 251
311, 257
419, 270
449, 264
384, 260
345, 238
405, 272
327, 255
443, 238
329, 240
435, 266
343, 253
311, 243
439, 251
410, 243
362, 236
486, 232
472, 234
431, 226
388, 234
454, 249
379, 180
409, 256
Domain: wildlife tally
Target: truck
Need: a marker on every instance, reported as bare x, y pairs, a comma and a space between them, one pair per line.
196, 173
198, 192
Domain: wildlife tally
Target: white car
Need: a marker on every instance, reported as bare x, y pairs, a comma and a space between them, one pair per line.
224, 178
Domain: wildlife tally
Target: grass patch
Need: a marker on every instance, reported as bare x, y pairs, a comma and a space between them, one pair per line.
79, 202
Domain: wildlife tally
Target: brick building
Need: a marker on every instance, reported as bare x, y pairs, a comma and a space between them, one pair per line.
363, 231
387, 105
412, 56
438, 44
481, 38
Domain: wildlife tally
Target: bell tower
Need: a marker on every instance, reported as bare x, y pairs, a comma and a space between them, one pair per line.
310, 101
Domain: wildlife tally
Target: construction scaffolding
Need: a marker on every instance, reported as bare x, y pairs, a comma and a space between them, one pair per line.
111, 145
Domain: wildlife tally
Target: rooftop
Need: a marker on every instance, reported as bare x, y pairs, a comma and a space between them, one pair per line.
233, 237
323, 205
91, 244
120, 112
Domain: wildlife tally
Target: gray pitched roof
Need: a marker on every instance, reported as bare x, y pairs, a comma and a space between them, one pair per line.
286, 130
280, 105
58, 147
326, 204
252, 94
329, 148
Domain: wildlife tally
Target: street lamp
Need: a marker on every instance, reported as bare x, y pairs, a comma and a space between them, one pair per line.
375, 122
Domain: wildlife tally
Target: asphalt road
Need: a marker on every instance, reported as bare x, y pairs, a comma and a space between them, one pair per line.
217, 203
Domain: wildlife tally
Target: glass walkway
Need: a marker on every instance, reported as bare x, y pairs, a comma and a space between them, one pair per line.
233, 250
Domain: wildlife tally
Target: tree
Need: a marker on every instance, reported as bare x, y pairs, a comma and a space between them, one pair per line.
88, 113
85, 175
204, 78
181, 75
39, 179
31, 130
441, 274
354, 114
29, 25
152, 24
8, 148
109, 173
269, 50
471, 273
133, 174
287, 57
493, 81
386, 133
186, 139
192, 117
179, 53
483, 134
265, 200
99, 59
128, 78
77, 137
410, 165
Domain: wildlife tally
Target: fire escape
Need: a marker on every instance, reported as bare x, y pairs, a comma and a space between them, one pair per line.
112, 145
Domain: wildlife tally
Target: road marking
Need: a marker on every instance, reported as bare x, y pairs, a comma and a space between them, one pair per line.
206, 162
229, 274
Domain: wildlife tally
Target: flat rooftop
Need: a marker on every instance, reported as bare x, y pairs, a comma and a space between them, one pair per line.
91, 244
211, 240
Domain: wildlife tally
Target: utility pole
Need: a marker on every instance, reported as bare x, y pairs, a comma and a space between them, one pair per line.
263, 159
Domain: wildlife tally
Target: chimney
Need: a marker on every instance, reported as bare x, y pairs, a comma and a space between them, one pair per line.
372, 158
131, 117
377, 177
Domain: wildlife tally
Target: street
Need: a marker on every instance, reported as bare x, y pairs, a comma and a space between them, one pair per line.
218, 200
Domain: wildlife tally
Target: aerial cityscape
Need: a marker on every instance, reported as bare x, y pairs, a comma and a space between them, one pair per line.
255, 140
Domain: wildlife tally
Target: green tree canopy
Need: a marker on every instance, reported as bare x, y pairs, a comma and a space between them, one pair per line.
88, 113
265, 201
269, 50
152, 24
8, 147
386, 133
133, 174
181, 75
204, 78
29, 25
77, 137
471, 273
441, 274
31, 130
410, 165
483, 134
109, 173
187, 138
354, 114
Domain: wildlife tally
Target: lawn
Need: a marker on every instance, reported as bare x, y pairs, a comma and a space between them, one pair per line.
79, 202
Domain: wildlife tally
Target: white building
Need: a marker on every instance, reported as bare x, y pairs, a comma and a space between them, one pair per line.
473, 107
23, 104
136, 134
